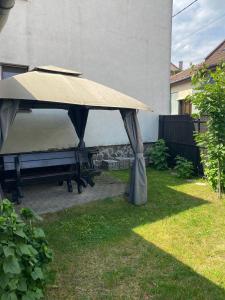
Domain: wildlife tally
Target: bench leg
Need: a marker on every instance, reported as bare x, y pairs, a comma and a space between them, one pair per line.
91, 182
82, 181
69, 186
81, 184
2, 196
17, 195
20, 193
88, 180
80, 188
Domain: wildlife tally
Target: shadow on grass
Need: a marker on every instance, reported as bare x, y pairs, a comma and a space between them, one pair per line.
112, 255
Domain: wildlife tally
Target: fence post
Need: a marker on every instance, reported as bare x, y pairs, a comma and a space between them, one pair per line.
199, 125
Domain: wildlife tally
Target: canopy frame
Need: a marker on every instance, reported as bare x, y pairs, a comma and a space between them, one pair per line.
138, 182
32, 104
56, 88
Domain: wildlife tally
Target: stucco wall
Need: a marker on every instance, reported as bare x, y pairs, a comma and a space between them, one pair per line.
124, 44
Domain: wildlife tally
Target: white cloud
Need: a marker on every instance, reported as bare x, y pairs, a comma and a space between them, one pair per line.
197, 30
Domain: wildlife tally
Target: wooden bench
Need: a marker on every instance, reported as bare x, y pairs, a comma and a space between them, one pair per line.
21, 169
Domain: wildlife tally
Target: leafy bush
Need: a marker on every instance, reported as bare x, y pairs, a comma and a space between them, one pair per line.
24, 255
209, 99
184, 167
158, 155
214, 170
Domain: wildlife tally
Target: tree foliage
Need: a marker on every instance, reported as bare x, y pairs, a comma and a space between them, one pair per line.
24, 255
209, 99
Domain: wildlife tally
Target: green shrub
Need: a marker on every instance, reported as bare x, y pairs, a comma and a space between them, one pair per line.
158, 155
184, 167
210, 164
209, 99
24, 255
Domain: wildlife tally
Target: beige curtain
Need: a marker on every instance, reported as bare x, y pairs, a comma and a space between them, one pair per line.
138, 181
78, 116
8, 109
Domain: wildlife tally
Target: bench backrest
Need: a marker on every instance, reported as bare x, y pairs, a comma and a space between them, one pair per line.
44, 159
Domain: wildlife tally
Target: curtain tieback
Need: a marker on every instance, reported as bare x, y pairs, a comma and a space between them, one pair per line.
139, 155
81, 144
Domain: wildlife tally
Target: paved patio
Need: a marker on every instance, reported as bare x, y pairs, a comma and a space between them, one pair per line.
48, 198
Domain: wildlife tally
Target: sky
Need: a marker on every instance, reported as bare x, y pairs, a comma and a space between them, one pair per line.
197, 30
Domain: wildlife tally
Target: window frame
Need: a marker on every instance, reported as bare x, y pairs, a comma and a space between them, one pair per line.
25, 68
182, 110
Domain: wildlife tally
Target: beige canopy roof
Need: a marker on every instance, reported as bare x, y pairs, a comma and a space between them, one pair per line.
54, 84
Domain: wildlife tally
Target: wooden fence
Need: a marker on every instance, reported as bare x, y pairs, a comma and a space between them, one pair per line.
178, 133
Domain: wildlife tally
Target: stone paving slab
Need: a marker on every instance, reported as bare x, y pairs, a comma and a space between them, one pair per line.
48, 198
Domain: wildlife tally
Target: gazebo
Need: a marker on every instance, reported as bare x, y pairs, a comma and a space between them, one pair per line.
52, 87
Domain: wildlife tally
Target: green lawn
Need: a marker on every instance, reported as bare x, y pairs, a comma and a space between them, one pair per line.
172, 248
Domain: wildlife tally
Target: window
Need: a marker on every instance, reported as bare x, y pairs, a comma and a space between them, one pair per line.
185, 107
11, 70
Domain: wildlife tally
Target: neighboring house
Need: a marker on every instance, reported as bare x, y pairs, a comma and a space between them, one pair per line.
174, 69
122, 44
180, 84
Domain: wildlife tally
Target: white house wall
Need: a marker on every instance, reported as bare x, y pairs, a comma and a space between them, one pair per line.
124, 44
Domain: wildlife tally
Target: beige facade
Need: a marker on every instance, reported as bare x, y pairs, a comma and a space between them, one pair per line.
179, 92
122, 44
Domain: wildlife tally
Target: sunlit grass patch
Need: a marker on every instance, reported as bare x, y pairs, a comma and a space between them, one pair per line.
172, 248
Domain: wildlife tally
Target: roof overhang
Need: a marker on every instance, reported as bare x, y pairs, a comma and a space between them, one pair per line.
180, 80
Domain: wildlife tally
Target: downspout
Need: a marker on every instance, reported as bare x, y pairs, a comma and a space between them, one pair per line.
5, 7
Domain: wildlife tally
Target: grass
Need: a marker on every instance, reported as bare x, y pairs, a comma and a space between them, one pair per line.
172, 248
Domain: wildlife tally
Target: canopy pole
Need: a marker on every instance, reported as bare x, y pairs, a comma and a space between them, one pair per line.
138, 180
78, 116
8, 110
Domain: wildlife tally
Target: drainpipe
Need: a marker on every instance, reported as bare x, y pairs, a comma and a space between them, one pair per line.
5, 7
